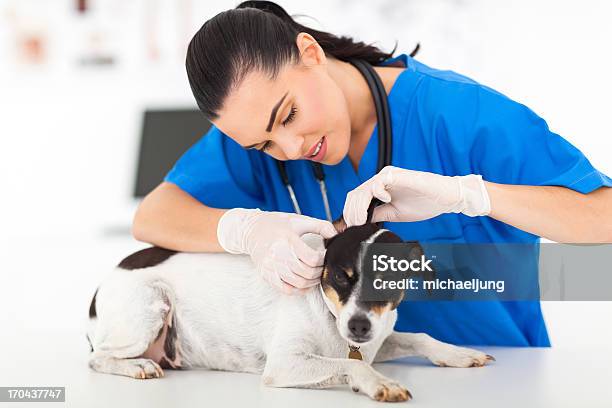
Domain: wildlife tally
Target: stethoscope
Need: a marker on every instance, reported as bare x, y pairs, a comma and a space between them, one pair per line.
383, 118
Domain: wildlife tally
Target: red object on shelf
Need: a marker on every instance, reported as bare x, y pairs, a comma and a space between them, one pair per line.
82, 6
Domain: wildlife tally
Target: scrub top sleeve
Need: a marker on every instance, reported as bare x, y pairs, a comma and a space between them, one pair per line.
508, 143
219, 173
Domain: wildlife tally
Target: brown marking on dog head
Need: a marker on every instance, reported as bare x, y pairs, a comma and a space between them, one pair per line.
379, 309
332, 295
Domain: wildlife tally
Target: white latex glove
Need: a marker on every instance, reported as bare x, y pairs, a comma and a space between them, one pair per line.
272, 239
415, 196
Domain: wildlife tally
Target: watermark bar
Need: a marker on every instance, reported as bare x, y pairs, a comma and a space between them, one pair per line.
486, 272
32, 394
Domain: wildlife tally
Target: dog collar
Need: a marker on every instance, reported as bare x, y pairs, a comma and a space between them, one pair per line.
354, 352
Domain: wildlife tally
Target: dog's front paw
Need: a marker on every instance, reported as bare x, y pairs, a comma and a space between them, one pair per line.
382, 389
139, 368
447, 355
392, 392
143, 368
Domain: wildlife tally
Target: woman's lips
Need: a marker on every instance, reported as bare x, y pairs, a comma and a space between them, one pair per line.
312, 149
321, 150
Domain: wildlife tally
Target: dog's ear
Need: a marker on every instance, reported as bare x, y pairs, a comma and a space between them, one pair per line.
416, 252
373, 204
340, 225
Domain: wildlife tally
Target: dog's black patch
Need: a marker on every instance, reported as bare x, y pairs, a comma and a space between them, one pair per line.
341, 255
169, 344
165, 364
92, 306
393, 297
146, 258
92, 314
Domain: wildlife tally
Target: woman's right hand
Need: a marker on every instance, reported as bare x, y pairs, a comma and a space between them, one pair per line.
272, 239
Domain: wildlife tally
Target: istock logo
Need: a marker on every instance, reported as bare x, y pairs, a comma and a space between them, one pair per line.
383, 263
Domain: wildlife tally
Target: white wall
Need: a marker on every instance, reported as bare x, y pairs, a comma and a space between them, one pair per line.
68, 135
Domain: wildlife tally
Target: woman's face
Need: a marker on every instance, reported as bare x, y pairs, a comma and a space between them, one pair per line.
289, 117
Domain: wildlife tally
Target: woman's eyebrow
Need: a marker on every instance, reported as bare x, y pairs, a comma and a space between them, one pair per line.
274, 110
272, 119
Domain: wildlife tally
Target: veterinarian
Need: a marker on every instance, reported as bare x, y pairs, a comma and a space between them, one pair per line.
468, 165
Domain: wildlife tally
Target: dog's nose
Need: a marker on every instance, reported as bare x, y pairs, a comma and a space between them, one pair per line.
359, 325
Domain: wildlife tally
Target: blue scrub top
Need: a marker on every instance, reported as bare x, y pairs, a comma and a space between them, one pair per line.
443, 123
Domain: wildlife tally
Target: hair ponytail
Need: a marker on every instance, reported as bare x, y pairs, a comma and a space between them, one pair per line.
342, 48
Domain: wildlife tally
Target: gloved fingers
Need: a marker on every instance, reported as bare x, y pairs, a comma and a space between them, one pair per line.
279, 265
288, 289
291, 256
379, 191
293, 278
302, 224
418, 183
304, 253
416, 210
390, 213
311, 273
358, 201
273, 277
356, 206
385, 213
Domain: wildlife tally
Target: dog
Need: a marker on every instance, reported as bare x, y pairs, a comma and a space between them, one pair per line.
162, 309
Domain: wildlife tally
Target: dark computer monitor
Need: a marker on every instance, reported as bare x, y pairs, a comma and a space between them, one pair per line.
166, 135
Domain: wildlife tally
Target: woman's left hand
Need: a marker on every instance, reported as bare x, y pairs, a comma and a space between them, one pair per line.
410, 195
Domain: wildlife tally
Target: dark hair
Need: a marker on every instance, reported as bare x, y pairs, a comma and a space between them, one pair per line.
256, 35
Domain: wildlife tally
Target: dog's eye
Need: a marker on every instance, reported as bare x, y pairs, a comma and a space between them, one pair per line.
341, 277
